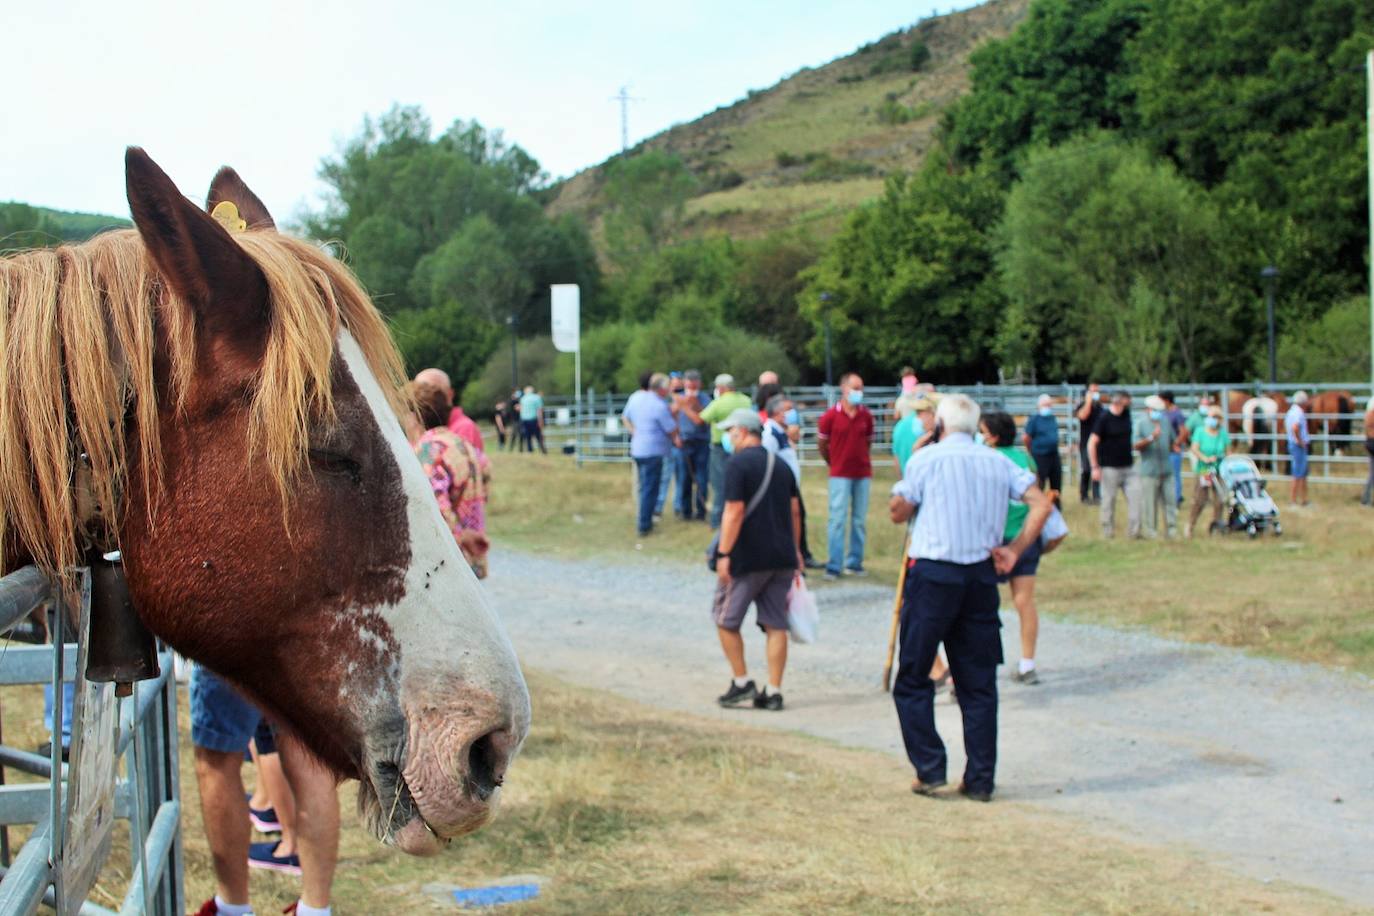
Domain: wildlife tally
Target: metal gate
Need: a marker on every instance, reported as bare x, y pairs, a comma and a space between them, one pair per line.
74, 812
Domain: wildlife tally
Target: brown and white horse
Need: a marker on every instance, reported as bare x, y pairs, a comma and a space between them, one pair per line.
226, 398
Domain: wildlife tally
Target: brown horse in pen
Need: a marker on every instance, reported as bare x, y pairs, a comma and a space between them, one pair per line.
1330, 402
219, 401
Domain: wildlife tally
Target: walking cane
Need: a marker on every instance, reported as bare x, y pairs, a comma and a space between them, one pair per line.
896, 615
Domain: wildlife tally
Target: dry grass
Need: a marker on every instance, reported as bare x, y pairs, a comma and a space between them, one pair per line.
1303, 596
626, 809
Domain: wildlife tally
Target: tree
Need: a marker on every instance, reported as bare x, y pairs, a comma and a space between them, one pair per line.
1062, 72
911, 279
647, 194
447, 235
1115, 266
22, 226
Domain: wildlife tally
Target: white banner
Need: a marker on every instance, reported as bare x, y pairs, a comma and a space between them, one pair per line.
567, 316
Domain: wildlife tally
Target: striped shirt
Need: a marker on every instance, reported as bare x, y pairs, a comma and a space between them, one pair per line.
962, 490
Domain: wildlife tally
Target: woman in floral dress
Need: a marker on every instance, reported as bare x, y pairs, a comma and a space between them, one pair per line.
458, 474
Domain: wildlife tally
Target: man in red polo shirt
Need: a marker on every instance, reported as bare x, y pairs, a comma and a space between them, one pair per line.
844, 435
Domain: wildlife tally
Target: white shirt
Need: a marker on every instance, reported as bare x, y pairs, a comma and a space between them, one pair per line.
962, 490
786, 454
1295, 421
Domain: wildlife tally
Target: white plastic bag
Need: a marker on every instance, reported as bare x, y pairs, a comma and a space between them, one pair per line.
803, 618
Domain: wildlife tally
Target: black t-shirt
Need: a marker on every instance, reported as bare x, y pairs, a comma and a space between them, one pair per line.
1088, 425
1114, 433
765, 539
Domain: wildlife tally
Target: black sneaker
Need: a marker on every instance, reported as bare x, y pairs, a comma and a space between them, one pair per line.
769, 701
978, 795
736, 694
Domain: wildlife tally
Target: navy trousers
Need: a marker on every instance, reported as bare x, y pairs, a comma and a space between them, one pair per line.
650, 474
692, 475
956, 605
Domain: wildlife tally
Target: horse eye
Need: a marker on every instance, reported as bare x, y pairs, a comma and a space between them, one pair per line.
335, 463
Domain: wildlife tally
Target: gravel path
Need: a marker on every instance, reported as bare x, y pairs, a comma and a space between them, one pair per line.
1266, 766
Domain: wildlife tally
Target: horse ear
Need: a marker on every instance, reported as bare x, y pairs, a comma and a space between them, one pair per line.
196, 255
228, 186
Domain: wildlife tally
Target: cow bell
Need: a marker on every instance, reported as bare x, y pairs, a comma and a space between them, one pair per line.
121, 648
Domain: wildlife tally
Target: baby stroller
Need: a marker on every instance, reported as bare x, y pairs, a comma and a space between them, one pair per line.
1249, 507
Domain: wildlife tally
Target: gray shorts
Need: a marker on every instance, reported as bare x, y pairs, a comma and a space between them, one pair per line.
767, 589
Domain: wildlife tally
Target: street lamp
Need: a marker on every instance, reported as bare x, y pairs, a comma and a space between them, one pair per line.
825, 305
1270, 275
513, 323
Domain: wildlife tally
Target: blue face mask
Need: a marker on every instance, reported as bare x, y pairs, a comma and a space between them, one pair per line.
1213, 422
856, 397
1156, 415
792, 418
1046, 411
727, 443
978, 438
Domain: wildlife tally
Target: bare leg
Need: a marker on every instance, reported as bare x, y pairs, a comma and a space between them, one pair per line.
733, 644
224, 809
1023, 596
272, 784
317, 822
939, 669
777, 657
260, 797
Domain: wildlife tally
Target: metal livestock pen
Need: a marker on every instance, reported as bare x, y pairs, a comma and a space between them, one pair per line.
598, 436
74, 808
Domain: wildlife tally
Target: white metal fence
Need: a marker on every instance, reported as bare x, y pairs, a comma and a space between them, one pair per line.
595, 434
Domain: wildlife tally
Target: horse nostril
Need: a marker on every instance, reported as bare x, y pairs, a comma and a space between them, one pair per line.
486, 765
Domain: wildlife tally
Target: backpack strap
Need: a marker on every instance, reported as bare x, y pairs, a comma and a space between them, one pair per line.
763, 487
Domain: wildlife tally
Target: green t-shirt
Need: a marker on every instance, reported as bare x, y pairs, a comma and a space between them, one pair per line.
1213, 447
1196, 420
904, 437
716, 411
1016, 510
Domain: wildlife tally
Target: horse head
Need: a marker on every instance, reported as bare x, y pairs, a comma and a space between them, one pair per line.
274, 523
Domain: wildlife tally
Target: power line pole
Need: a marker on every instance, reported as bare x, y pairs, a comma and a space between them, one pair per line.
624, 98
1369, 128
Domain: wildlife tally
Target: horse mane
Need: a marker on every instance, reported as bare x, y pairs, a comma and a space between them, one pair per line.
78, 333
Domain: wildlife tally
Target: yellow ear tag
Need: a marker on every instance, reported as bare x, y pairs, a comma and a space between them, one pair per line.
226, 212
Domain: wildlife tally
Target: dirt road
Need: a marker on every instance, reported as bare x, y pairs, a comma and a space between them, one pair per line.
1265, 766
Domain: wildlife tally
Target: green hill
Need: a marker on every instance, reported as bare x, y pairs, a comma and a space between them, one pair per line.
26, 226
821, 141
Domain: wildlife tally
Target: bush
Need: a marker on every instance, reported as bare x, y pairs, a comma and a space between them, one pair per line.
826, 167
448, 336
1335, 346
920, 55
893, 112
536, 359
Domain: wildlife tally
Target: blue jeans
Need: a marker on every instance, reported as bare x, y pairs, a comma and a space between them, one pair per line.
1176, 465
650, 472
693, 469
848, 503
670, 463
68, 692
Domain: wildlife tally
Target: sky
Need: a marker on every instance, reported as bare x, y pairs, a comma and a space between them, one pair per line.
272, 88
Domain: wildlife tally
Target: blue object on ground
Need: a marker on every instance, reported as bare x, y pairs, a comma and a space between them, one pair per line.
470, 898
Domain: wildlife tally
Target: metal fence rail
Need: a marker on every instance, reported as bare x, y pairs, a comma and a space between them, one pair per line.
146, 795
595, 434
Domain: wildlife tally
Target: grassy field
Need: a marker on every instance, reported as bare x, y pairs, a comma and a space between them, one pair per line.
619, 808
1306, 595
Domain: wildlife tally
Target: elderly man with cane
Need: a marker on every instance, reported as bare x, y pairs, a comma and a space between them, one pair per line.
955, 554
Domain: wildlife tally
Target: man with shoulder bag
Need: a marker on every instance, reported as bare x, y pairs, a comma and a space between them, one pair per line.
757, 557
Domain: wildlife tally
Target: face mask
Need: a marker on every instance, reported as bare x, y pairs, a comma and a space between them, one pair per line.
1213, 422
1097, 395
1156, 414
727, 442
978, 438
856, 397
792, 418
1046, 411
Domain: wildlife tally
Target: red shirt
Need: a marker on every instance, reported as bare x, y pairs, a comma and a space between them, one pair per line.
849, 439
462, 425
